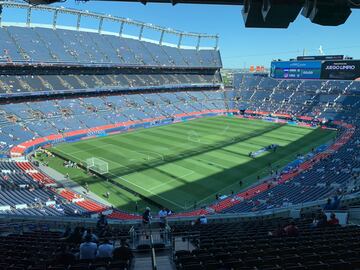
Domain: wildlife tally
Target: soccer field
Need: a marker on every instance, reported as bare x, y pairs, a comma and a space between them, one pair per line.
185, 163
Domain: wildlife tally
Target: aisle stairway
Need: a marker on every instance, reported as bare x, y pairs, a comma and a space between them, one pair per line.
160, 241
143, 262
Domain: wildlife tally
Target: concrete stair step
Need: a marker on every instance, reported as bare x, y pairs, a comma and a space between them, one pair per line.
143, 262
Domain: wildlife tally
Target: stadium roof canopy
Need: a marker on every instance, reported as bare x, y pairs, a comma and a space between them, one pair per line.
271, 13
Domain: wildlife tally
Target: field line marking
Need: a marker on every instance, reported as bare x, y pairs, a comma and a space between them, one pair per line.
143, 130
122, 178
140, 187
177, 147
149, 191
171, 180
126, 131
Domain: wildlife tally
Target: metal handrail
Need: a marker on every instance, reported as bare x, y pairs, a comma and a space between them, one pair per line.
153, 255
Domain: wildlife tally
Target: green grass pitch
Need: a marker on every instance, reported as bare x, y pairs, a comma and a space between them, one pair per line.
183, 163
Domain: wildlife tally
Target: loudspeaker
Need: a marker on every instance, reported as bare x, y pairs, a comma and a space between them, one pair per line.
327, 12
280, 14
308, 7
251, 13
270, 13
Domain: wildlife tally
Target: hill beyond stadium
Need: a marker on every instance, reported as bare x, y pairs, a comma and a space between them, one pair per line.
99, 129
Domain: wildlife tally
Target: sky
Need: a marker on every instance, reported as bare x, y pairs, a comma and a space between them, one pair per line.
239, 46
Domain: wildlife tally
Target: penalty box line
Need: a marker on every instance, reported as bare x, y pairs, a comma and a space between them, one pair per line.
124, 179
129, 182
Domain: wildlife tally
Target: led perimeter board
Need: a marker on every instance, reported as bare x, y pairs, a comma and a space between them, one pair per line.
295, 69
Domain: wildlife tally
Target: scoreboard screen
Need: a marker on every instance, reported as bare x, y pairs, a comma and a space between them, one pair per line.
326, 69
296, 70
341, 70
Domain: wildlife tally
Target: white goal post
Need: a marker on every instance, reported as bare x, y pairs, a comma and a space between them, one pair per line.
97, 165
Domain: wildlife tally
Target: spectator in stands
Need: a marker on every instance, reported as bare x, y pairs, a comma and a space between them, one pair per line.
90, 233
320, 221
102, 223
201, 220
105, 250
146, 217
88, 249
333, 204
64, 256
336, 202
328, 205
162, 216
291, 229
107, 233
333, 221
123, 252
75, 236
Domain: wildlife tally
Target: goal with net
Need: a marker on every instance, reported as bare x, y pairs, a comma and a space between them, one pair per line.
97, 165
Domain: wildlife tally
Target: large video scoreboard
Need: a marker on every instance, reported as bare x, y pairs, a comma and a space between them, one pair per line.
296, 70
316, 69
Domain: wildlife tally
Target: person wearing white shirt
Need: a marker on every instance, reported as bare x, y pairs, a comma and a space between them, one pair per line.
162, 215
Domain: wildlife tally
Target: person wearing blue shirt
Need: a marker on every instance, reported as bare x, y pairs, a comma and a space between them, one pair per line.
105, 250
88, 249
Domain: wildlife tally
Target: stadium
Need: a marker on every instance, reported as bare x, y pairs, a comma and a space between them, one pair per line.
99, 129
